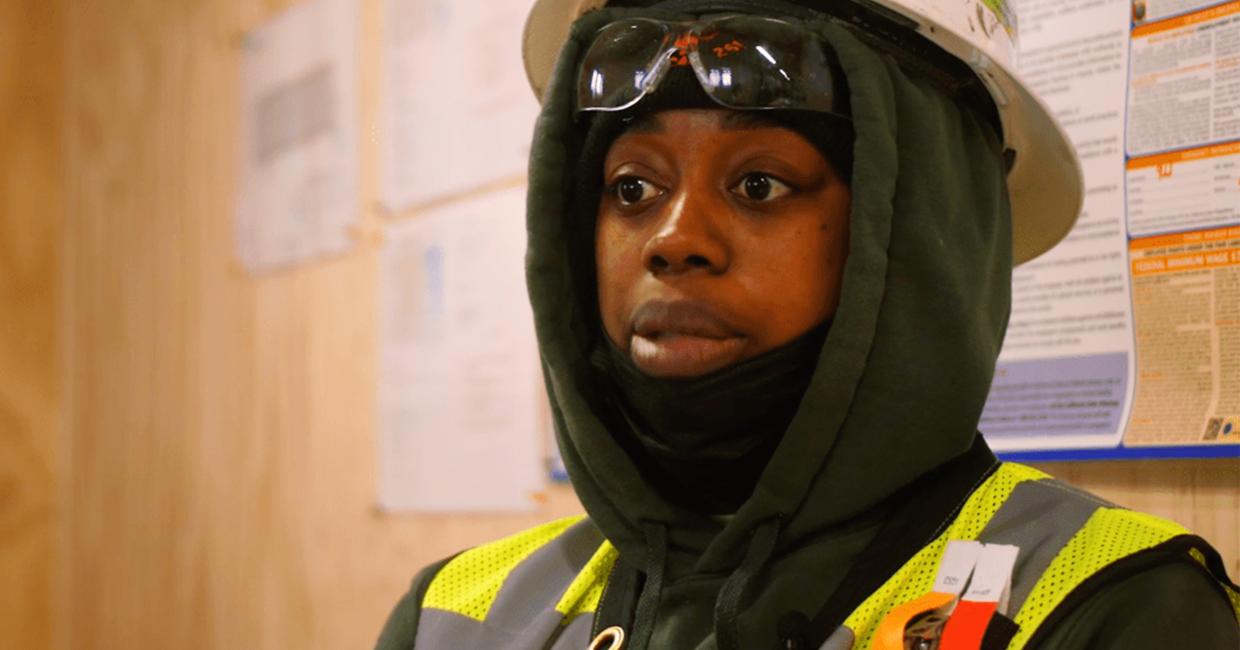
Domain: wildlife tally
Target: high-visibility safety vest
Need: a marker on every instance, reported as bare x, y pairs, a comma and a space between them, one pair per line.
540, 588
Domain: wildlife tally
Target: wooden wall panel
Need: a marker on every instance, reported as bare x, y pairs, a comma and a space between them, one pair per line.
31, 218
221, 427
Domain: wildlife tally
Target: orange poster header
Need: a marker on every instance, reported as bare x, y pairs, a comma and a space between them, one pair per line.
1186, 262
1187, 155
1196, 18
1183, 238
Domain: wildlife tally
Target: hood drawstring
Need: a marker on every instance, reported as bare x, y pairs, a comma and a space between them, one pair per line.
727, 607
648, 602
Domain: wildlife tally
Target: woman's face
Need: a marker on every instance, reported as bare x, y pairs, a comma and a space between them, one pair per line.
720, 236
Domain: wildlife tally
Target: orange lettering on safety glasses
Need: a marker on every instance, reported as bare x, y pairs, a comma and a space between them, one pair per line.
688, 42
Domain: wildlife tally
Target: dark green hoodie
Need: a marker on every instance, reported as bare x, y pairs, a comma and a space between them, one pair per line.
889, 419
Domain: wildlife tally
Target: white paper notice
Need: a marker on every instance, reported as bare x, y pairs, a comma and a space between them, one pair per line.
459, 391
1065, 375
298, 190
458, 112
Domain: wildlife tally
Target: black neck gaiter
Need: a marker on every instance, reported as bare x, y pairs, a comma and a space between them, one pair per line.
704, 441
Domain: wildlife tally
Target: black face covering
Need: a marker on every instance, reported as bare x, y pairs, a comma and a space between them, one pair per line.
704, 441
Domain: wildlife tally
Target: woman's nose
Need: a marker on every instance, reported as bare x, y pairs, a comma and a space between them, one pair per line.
689, 238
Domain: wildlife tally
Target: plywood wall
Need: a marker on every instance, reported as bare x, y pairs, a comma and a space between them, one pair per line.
216, 469
31, 216
221, 425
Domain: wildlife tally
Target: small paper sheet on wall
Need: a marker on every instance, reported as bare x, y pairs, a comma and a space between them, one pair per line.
458, 113
460, 380
298, 186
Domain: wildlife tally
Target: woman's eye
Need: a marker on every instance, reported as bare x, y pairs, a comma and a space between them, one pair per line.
757, 186
633, 189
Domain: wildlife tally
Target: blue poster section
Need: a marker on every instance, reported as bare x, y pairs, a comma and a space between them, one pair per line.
1125, 453
1048, 398
1044, 399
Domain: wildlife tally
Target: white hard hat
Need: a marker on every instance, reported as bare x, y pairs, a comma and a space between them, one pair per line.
1044, 183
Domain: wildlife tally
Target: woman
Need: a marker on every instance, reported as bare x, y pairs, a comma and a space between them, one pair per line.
769, 299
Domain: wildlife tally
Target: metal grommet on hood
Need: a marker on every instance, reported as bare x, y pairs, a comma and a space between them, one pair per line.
610, 639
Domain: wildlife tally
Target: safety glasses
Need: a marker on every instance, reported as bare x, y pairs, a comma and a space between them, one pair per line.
741, 61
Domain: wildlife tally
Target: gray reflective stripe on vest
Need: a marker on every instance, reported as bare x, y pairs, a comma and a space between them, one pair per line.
1040, 517
576, 636
523, 616
440, 630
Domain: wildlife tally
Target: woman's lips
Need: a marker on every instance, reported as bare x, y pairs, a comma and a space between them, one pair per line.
682, 355
682, 339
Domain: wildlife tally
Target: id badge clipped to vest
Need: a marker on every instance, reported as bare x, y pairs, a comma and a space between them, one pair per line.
972, 585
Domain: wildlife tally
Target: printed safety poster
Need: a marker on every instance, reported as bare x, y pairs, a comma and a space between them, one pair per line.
457, 111
298, 185
1125, 339
460, 384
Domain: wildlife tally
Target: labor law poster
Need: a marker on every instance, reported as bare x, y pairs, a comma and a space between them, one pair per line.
1125, 339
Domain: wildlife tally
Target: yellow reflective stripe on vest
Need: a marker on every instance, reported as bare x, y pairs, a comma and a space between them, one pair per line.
916, 577
502, 594
536, 590
469, 583
1109, 535
1083, 547
586, 590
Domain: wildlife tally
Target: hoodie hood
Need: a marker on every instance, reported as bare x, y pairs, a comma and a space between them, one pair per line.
903, 374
